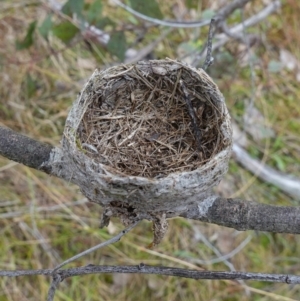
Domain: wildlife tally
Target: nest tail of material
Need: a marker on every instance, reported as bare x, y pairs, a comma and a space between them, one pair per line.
148, 140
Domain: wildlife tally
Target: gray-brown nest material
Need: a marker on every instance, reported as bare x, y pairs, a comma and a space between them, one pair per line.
148, 140
152, 119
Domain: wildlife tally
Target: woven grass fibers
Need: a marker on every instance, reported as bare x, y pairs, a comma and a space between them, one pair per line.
152, 119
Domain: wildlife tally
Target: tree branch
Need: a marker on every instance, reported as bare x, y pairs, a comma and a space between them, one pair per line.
233, 213
246, 215
53, 287
177, 272
22, 149
157, 270
209, 59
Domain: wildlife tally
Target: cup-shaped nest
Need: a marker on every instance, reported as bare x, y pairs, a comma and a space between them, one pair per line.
148, 139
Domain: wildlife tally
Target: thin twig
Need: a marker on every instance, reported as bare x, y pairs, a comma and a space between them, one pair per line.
178, 272
227, 10
260, 16
226, 30
54, 285
223, 38
223, 13
221, 257
175, 24
20, 273
195, 126
209, 59
158, 270
99, 246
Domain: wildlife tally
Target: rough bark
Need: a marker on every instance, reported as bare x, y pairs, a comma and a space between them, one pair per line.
247, 215
22, 149
156, 270
192, 274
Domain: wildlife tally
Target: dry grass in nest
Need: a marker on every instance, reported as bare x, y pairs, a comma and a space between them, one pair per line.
152, 119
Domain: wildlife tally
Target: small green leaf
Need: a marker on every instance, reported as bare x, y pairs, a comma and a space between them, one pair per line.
73, 7
208, 14
148, 8
45, 27
77, 6
117, 45
28, 40
279, 162
94, 11
65, 31
66, 9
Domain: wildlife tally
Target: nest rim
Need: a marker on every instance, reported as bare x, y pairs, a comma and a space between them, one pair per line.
160, 69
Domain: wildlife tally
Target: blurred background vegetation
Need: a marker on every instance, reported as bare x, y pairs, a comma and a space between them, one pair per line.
46, 56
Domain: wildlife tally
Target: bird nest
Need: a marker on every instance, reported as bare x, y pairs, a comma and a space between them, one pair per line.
147, 141
153, 119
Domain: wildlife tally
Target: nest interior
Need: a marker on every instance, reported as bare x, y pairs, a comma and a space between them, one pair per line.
152, 119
